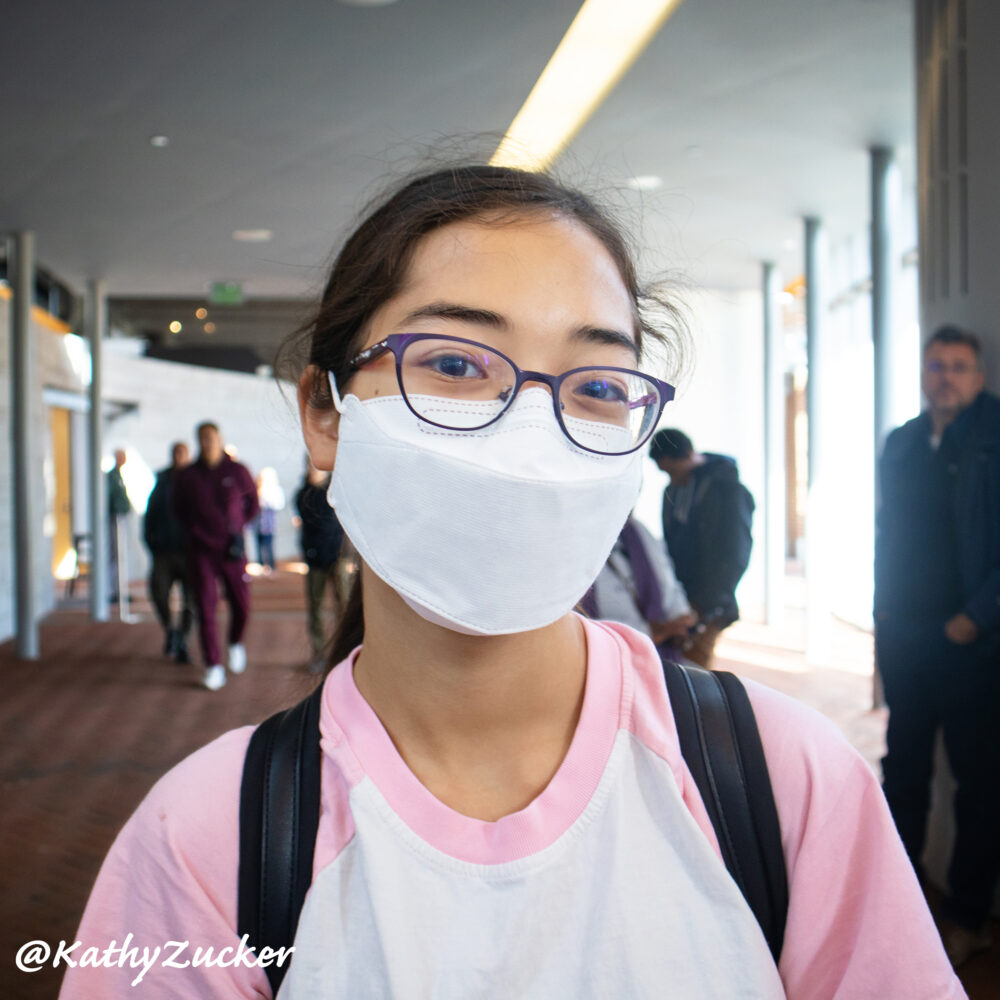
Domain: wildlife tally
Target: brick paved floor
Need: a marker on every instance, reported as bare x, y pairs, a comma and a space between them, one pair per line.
88, 728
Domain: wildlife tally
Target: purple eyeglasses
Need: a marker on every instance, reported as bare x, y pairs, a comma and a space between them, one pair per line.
602, 409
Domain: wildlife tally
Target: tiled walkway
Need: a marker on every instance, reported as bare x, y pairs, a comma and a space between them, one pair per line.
87, 729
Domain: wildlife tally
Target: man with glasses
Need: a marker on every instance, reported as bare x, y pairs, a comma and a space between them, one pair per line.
937, 623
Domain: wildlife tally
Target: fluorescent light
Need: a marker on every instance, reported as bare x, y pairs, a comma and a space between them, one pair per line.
603, 41
159, 141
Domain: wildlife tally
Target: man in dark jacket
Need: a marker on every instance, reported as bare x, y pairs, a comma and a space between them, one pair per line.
321, 538
937, 622
707, 516
214, 499
165, 540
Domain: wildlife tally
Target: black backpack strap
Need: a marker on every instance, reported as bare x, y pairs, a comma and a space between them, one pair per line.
279, 816
721, 747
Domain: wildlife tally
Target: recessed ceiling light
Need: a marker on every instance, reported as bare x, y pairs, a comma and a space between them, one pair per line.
175, 327
159, 141
645, 182
209, 328
201, 313
252, 235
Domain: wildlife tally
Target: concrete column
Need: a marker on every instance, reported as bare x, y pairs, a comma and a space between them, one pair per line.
883, 328
817, 526
95, 321
22, 377
774, 449
958, 171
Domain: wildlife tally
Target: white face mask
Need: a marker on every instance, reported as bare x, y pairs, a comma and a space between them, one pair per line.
485, 532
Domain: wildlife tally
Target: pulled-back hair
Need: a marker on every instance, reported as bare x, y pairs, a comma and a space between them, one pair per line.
372, 267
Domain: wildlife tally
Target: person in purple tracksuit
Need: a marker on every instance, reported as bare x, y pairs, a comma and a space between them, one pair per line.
214, 499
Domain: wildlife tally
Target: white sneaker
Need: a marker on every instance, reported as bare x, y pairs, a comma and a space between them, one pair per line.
215, 677
237, 658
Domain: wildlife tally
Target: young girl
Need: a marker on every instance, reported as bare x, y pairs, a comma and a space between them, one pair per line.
505, 811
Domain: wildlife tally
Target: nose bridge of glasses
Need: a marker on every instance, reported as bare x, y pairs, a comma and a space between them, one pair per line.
530, 376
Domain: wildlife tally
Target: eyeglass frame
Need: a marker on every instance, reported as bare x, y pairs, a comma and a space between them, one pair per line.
398, 342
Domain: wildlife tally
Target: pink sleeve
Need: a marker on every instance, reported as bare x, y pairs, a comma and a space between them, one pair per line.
170, 876
858, 925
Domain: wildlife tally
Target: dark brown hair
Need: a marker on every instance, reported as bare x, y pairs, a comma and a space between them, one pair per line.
372, 266
956, 335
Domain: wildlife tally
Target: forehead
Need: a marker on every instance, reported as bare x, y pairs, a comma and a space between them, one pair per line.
507, 263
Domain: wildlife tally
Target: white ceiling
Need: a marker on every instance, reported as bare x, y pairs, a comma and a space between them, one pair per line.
286, 116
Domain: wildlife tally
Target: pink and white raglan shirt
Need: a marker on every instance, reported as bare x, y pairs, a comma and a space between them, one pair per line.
608, 885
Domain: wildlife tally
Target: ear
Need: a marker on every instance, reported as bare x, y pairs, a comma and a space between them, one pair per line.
319, 424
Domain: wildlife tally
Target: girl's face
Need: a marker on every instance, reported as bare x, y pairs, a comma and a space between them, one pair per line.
544, 291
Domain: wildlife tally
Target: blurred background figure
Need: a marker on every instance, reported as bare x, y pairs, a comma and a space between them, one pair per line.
165, 539
638, 587
270, 499
937, 624
119, 507
321, 538
214, 500
707, 521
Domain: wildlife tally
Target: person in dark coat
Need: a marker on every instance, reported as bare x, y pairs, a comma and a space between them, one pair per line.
707, 516
321, 538
937, 622
214, 499
165, 539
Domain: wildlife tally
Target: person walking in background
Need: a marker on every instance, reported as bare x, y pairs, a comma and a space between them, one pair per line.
637, 586
937, 623
214, 500
165, 540
119, 507
707, 518
321, 538
270, 499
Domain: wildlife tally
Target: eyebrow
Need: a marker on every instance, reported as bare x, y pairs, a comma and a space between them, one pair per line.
488, 318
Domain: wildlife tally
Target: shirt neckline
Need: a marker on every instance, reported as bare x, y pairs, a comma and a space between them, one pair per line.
550, 814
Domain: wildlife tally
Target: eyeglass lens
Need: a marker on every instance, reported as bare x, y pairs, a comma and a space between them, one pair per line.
602, 409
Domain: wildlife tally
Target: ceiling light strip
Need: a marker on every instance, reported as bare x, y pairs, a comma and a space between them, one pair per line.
602, 43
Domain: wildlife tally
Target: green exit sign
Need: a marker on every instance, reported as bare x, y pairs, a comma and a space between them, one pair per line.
226, 293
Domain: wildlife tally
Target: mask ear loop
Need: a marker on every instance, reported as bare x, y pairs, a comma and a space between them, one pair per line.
338, 403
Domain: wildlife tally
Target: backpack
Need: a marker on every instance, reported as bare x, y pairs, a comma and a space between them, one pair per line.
280, 793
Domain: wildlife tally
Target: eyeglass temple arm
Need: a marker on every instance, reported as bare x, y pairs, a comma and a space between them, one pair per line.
369, 354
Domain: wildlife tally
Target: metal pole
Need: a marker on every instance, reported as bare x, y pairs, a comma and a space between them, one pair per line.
813, 228
774, 450
22, 378
95, 321
882, 323
818, 624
